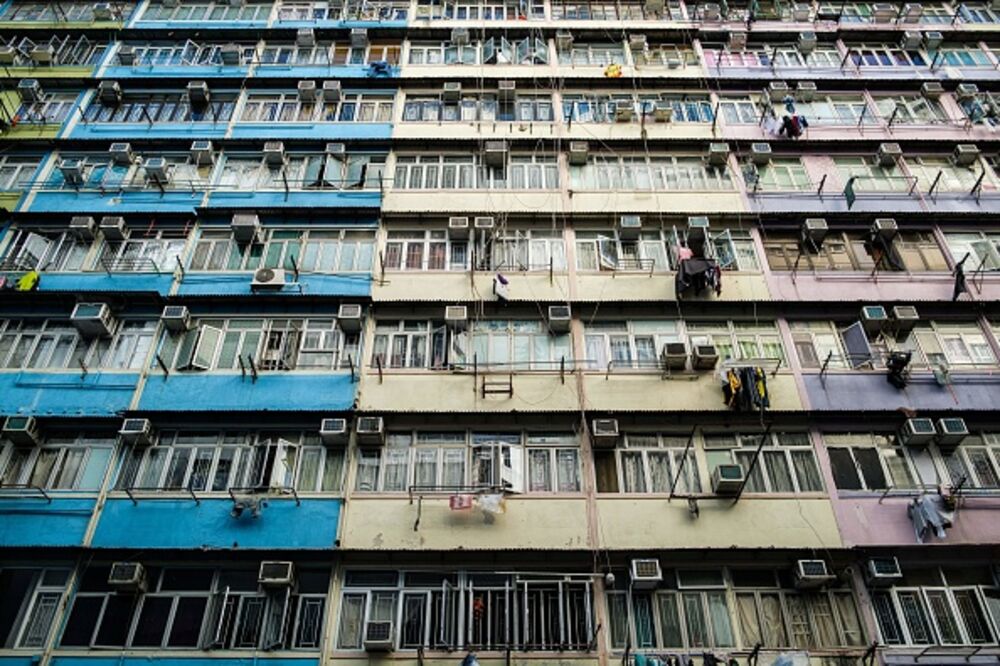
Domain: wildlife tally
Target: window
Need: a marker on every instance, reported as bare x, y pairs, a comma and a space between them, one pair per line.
772, 57
149, 107
982, 247
739, 110
909, 110
187, 54
45, 250
430, 250
786, 464
342, 11
59, 464
219, 10
648, 463
779, 174
51, 109
869, 177
16, 172
839, 110
852, 251
603, 108
959, 57
976, 463
632, 344
882, 55
496, 10
866, 461
473, 107
216, 462
299, 172
327, 54
312, 250
101, 173
738, 340
31, 599
600, 55
47, 11
600, 10
447, 172
672, 56
954, 345
948, 177
287, 107
653, 172
50, 344
156, 251
493, 51
523, 250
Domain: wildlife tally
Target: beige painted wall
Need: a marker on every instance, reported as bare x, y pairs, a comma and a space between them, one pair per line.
443, 391
457, 287
692, 392
474, 201
660, 287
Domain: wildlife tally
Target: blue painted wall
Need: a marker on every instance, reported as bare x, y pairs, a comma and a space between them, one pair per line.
863, 391
122, 131
238, 284
101, 282
327, 131
331, 199
335, 24
66, 393
196, 25
114, 202
115, 71
274, 392
31, 521
20, 660
144, 660
318, 72
282, 524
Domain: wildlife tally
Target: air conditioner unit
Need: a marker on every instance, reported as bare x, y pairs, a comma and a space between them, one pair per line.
22, 430
646, 574
71, 169
8, 55
807, 42
812, 574
882, 571
883, 12
966, 154
653, 6
873, 319
737, 40
198, 92
911, 11
496, 154
379, 636
114, 229
274, 152
93, 319
137, 432
350, 317
801, 12
674, 356
579, 151
176, 318
126, 55
933, 39
42, 54
704, 357
932, 90
83, 227
637, 42
966, 91
911, 39
623, 112
268, 279
245, 227
917, 433
805, 91
458, 227
559, 318
451, 91
604, 432
305, 37
884, 228
456, 316
564, 40
727, 479
127, 577
359, 37
460, 36
276, 574
718, 153
711, 11
370, 430
629, 227
663, 112
760, 153
30, 89
307, 90
157, 168
814, 230
202, 153
103, 11
777, 90
697, 228
904, 320
484, 222
506, 90
333, 431
332, 91
951, 432
231, 54
887, 154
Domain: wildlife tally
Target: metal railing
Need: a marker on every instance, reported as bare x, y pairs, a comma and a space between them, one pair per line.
26, 486
161, 493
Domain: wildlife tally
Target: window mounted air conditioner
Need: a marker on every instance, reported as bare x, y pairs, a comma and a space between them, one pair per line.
307, 91
496, 154
30, 90
274, 152
932, 90
137, 432
653, 6
276, 574
873, 319
332, 91
966, 91
202, 153
884, 228
904, 320
460, 36
637, 42
646, 574
933, 39
127, 577
760, 153
198, 92
966, 154
456, 316
882, 571
103, 11
359, 37
604, 432
951, 432
268, 279
697, 228
109, 92
737, 40
333, 431
245, 227
623, 112
564, 40
777, 90
370, 430
674, 356
451, 91
912, 11
805, 91
305, 37
349, 317
379, 636
458, 227
812, 574
8, 55
485, 222
121, 153
114, 229
887, 154
176, 318
917, 433
157, 169
911, 39
727, 479
718, 153
801, 12
711, 11
43, 54
22, 430
663, 112
71, 169
807, 42
93, 320
814, 230
579, 151
126, 55
231, 54
506, 90
883, 12
629, 227
559, 318
83, 227
704, 357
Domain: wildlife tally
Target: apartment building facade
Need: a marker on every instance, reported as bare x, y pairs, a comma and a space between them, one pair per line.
546, 332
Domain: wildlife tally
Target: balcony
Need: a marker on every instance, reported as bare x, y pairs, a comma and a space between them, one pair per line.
81, 393
267, 391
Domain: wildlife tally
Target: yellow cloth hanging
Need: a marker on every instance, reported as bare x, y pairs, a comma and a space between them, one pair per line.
27, 282
613, 71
